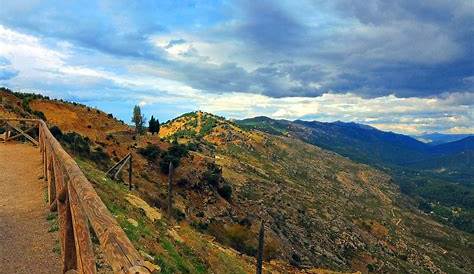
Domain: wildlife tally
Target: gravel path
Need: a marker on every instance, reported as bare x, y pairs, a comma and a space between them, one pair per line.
26, 246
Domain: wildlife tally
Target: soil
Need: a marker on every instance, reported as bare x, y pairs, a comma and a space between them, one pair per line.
26, 246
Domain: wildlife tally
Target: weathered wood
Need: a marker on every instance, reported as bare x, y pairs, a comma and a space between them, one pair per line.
84, 251
62, 195
54, 206
31, 139
261, 241
170, 191
19, 135
117, 164
121, 167
130, 173
51, 181
68, 248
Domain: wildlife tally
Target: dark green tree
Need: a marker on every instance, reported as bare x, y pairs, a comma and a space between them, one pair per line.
154, 125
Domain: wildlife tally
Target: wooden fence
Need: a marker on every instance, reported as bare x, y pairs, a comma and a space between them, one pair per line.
80, 211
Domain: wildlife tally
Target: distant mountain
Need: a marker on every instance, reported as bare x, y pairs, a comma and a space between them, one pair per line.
359, 142
437, 138
362, 142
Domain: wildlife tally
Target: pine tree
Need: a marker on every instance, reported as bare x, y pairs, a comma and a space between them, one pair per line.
151, 125
138, 119
154, 125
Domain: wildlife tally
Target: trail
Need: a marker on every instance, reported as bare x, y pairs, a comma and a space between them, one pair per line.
26, 246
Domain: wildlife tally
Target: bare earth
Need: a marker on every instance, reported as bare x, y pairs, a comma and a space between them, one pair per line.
26, 246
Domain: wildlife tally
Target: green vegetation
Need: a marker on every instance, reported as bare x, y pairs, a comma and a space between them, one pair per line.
207, 124
138, 119
151, 152
81, 146
173, 155
154, 125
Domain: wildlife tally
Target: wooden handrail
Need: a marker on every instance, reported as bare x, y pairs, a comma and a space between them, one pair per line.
78, 205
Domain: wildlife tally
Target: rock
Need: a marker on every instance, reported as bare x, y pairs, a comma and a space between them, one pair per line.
132, 222
152, 213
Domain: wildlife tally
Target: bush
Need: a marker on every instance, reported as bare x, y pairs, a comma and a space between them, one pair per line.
80, 145
225, 191
173, 155
151, 152
213, 174
39, 114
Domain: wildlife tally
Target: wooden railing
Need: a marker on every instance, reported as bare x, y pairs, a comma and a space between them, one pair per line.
80, 208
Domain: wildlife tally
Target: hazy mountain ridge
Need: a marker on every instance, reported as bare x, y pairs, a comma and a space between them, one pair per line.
437, 138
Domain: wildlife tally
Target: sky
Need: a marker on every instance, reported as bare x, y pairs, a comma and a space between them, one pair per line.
405, 66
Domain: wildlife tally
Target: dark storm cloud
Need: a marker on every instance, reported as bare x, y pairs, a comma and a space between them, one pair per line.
371, 48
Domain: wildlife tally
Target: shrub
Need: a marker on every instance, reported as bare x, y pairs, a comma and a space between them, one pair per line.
173, 155
39, 114
225, 191
213, 174
237, 236
151, 152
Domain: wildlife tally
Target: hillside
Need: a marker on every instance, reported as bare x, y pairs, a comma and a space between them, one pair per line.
322, 211
325, 209
423, 171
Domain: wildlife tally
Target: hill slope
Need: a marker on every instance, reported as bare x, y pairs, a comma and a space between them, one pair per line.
420, 169
323, 209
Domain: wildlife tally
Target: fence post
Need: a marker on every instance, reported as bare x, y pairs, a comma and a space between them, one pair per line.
170, 191
130, 173
261, 241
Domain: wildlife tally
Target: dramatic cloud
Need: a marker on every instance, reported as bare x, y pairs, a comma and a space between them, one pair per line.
400, 65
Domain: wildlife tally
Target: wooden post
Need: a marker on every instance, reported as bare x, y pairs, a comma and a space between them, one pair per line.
261, 241
66, 232
170, 191
84, 252
51, 181
130, 173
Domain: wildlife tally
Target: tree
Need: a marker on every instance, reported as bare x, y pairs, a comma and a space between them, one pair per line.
154, 125
138, 119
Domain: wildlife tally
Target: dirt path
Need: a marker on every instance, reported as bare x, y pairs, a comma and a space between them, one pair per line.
26, 246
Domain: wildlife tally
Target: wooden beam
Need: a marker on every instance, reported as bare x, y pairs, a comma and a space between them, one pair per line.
117, 164
121, 167
18, 135
31, 139
84, 251
54, 206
